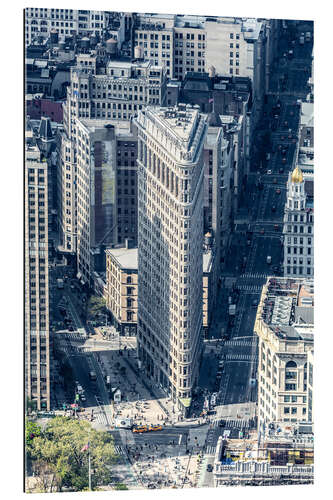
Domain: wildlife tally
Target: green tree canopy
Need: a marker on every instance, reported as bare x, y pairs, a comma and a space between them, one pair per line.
60, 447
96, 305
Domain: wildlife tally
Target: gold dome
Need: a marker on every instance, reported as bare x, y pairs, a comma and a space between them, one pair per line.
297, 175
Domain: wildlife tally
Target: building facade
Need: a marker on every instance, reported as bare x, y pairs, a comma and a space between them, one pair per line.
170, 237
298, 238
39, 22
37, 333
285, 329
121, 291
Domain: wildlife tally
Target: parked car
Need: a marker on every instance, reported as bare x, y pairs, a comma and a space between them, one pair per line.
278, 191
141, 429
269, 172
209, 468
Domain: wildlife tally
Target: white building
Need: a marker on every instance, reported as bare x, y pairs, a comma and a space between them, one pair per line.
285, 328
39, 22
232, 46
170, 234
298, 220
37, 332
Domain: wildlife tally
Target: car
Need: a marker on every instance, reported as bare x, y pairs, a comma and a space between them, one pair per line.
281, 170
209, 468
141, 429
274, 181
262, 231
155, 428
269, 172
276, 269
273, 208
83, 398
278, 191
276, 227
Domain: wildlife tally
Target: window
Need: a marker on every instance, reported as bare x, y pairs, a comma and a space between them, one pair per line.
290, 387
286, 410
286, 399
293, 410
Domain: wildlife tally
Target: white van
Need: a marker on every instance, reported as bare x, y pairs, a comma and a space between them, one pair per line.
79, 389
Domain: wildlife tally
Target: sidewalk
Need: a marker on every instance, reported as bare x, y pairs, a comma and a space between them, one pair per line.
137, 401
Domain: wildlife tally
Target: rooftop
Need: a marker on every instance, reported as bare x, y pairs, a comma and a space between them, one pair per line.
207, 261
286, 306
307, 112
127, 258
122, 127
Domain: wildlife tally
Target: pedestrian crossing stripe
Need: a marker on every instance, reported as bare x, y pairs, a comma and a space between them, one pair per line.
238, 343
240, 423
250, 288
254, 275
246, 357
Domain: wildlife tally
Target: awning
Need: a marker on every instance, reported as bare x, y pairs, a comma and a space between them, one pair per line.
186, 402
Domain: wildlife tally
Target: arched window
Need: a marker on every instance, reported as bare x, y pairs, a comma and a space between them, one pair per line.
291, 372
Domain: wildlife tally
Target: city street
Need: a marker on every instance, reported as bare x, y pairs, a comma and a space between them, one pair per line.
258, 236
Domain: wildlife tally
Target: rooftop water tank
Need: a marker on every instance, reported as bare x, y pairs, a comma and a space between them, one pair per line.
138, 52
111, 46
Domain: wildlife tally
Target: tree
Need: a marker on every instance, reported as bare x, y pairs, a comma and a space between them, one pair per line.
59, 448
96, 305
32, 430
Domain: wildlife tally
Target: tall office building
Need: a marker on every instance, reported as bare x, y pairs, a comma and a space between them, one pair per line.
37, 335
114, 96
170, 246
298, 225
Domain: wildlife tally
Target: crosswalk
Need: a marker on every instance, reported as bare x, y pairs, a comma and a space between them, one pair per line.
119, 450
238, 423
254, 275
250, 288
238, 343
240, 357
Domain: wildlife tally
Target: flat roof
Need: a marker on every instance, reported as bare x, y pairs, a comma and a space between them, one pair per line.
286, 307
207, 261
179, 120
127, 258
307, 112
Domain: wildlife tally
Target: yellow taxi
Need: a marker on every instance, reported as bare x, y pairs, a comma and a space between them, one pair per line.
155, 428
141, 429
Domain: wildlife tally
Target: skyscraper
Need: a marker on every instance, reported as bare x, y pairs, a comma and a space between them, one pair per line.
37, 335
298, 225
170, 242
